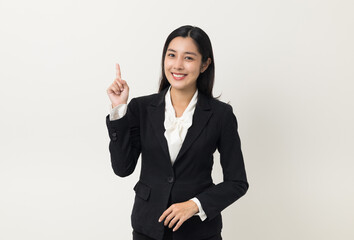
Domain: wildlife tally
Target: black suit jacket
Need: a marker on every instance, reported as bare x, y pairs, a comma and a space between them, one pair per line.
141, 131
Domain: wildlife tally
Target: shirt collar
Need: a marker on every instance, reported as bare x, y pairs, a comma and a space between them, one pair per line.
190, 108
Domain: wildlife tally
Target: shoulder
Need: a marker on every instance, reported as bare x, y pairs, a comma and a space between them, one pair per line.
145, 98
224, 112
220, 106
141, 102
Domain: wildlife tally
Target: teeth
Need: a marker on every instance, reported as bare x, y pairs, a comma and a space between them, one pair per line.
177, 75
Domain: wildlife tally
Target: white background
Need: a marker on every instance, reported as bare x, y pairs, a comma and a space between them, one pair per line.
287, 68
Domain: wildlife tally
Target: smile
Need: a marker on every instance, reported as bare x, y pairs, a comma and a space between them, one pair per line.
179, 76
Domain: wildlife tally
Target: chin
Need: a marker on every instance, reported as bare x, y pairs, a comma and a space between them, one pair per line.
181, 87
177, 84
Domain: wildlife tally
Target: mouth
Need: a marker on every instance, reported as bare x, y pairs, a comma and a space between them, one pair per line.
178, 76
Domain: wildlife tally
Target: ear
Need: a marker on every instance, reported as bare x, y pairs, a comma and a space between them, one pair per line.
205, 65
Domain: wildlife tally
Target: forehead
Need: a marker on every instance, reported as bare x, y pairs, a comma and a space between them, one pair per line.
181, 44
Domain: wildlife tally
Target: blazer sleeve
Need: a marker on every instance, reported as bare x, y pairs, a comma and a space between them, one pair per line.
234, 185
125, 145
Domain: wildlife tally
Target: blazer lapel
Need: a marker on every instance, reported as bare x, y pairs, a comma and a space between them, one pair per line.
156, 115
201, 115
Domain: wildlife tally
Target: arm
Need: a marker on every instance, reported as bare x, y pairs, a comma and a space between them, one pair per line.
201, 212
117, 112
125, 146
235, 185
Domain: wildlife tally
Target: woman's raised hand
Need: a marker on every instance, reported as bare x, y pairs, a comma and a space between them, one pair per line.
118, 91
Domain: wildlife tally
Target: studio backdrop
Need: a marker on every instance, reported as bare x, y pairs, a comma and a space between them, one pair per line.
286, 67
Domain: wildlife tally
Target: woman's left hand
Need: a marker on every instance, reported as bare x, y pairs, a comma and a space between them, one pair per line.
179, 213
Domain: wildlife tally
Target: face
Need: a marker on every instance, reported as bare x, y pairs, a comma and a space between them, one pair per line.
183, 64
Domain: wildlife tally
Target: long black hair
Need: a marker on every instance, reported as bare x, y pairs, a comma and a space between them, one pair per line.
205, 81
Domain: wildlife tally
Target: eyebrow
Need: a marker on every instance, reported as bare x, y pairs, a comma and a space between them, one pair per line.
192, 53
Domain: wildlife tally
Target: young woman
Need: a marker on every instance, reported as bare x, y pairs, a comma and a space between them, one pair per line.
176, 131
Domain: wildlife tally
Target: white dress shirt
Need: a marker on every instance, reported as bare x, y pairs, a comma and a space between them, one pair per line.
175, 129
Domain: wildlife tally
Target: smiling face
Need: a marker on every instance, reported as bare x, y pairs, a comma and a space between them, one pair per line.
183, 64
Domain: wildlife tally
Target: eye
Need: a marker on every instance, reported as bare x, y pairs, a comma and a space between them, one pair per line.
189, 58
170, 55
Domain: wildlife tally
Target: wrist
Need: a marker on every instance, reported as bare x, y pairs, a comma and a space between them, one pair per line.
117, 104
195, 207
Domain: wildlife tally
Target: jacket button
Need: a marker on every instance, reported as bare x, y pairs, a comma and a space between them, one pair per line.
170, 179
114, 136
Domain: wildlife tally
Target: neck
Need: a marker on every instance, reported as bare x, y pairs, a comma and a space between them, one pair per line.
181, 97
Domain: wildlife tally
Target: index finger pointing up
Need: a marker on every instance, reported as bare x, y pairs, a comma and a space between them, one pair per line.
118, 75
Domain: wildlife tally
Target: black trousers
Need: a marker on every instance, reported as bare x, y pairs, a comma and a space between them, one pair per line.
168, 236
139, 236
168, 233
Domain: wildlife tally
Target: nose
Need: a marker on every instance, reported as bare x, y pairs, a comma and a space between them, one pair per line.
178, 64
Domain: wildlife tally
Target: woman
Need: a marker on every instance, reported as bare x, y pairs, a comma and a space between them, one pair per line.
176, 131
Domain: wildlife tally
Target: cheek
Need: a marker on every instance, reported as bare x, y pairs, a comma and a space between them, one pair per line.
167, 64
193, 69
166, 68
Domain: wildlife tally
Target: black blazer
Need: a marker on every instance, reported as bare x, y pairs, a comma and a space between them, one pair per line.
141, 131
